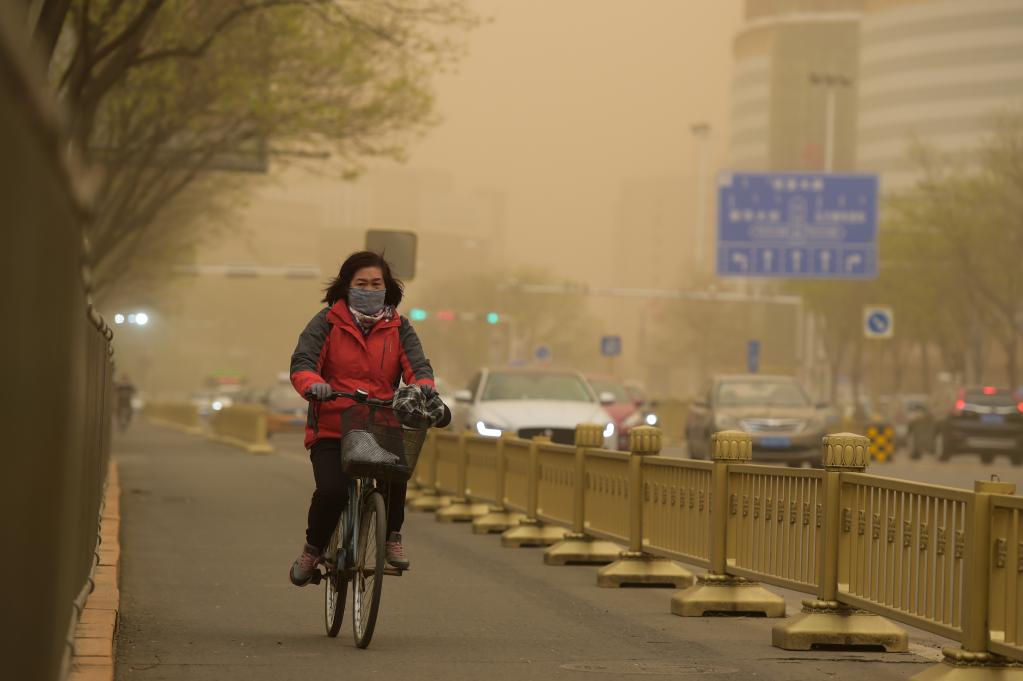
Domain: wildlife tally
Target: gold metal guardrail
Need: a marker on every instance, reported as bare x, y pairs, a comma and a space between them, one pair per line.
1005, 583
241, 425
183, 416
868, 549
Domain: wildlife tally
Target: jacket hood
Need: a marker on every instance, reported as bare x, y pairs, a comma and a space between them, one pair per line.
340, 315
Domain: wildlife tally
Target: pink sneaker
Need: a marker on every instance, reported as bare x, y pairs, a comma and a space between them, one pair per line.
305, 565
395, 552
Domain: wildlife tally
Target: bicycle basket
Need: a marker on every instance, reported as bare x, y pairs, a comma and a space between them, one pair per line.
376, 445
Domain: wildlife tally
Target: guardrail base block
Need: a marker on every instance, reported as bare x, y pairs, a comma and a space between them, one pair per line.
834, 624
715, 593
582, 549
429, 501
962, 665
637, 568
532, 532
497, 520
460, 510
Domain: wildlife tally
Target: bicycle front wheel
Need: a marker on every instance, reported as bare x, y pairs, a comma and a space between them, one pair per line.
335, 585
368, 575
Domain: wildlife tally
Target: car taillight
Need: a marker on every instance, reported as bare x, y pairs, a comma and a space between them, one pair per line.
1019, 406
960, 405
990, 390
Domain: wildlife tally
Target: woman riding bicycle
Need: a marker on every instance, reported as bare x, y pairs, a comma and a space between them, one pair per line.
358, 342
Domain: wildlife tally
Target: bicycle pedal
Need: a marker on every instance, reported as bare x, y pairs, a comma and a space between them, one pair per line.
393, 571
316, 577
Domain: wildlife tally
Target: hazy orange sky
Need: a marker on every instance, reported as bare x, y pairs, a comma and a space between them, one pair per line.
560, 101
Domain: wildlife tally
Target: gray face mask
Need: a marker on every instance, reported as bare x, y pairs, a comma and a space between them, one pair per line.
365, 301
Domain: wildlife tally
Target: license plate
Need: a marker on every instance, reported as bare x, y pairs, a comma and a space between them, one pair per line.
992, 418
775, 442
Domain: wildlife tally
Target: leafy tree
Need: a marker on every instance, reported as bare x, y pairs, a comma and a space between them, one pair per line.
161, 92
952, 265
966, 227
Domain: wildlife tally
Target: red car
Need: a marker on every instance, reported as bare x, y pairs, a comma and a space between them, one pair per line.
623, 407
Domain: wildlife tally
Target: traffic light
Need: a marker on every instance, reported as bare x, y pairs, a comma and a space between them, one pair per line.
493, 318
446, 315
417, 314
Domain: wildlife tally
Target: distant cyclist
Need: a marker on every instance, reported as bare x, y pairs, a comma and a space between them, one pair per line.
358, 342
125, 391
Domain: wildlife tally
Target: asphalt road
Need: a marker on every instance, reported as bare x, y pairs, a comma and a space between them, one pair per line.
208, 534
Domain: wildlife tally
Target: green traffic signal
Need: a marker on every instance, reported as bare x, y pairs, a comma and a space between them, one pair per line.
417, 314
493, 318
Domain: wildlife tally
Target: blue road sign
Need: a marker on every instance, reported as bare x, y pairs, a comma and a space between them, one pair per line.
797, 225
611, 346
542, 352
878, 322
752, 356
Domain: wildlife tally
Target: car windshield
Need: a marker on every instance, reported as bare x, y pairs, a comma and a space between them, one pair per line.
526, 386
609, 385
761, 394
990, 398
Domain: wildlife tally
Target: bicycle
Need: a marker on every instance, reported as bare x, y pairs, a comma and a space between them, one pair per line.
380, 446
124, 416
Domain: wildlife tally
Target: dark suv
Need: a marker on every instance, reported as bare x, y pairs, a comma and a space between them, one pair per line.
986, 421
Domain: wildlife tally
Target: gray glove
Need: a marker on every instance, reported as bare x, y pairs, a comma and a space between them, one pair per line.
319, 391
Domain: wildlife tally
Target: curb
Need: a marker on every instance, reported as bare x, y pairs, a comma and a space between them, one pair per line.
96, 630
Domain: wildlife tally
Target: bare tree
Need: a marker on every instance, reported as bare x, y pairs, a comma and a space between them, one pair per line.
162, 91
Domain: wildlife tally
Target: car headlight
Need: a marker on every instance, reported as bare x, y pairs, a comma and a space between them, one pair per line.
609, 430
487, 430
726, 422
651, 419
217, 406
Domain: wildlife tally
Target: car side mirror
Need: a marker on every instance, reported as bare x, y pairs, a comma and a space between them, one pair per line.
606, 398
463, 396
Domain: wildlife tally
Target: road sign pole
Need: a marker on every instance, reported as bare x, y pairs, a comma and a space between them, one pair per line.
829, 130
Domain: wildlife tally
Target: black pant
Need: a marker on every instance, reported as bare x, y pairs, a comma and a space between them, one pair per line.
331, 494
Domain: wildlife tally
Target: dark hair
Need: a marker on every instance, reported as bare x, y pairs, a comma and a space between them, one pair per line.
338, 288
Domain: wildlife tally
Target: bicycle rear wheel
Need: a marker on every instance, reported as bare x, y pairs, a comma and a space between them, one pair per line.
368, 576
335, 586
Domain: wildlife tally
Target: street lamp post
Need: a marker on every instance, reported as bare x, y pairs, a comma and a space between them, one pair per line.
831, 82
701, 133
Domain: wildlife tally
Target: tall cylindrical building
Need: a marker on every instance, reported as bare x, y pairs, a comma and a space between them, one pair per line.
790, 56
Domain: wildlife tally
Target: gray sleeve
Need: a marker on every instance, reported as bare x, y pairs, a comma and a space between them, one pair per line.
416, 367
306, 356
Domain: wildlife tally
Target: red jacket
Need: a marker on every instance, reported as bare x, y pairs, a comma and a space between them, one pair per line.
332, 349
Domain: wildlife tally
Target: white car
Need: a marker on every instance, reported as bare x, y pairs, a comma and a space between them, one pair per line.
531, 402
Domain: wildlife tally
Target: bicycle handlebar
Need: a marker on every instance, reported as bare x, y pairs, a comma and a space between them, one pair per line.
360, 396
